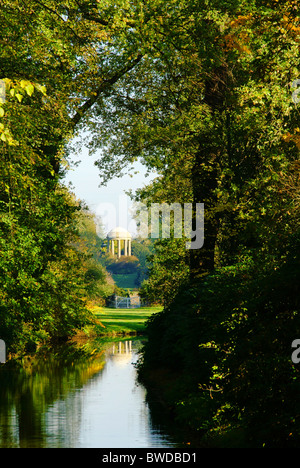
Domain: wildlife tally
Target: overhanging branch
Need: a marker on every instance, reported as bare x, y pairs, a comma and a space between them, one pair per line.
106, 84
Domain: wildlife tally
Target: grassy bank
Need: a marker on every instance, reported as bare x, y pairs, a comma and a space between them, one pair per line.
111, 322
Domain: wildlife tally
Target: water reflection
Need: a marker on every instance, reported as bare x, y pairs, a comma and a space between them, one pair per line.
75, 399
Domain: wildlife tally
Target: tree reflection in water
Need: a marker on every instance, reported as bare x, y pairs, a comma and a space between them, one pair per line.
32, 396
77, 396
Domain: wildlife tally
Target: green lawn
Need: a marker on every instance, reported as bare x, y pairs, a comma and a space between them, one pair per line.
125, 281
123, 321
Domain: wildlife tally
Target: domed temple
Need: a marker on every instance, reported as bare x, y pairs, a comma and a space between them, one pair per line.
118, 240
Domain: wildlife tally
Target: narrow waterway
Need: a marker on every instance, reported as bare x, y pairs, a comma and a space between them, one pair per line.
79, 400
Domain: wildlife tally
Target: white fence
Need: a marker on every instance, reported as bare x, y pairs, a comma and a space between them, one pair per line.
126, 302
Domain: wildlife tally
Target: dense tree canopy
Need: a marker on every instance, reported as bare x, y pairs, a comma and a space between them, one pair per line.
56, 60
234, 145
210, 106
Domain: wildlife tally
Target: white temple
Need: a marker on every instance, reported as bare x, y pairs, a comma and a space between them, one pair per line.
117, 239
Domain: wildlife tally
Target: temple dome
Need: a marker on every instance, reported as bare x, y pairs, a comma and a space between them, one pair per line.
119, 233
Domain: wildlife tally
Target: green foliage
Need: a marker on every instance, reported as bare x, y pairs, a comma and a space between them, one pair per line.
201, 93
124, 283
217, 112
168, 271
56, 61
41, 277
231, 336
142, 249
89, 244
123, 265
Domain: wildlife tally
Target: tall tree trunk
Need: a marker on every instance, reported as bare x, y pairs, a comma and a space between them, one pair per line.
205, 175
202, 260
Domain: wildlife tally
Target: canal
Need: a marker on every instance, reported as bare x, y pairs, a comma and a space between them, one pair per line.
79, 398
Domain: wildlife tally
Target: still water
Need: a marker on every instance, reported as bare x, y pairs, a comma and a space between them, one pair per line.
80, 399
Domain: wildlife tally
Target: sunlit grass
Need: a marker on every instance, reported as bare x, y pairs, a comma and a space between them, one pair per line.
123, 321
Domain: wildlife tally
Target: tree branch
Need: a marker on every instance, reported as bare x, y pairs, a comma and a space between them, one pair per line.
106, 84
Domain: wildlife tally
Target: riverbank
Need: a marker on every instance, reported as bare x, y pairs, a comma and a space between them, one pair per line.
177, 397
220, 355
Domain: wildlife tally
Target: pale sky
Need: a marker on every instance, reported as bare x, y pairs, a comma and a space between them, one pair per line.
109, 202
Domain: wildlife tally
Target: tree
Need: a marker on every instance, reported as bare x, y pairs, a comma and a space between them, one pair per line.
228, 331
58, 59
168, 272
208, 105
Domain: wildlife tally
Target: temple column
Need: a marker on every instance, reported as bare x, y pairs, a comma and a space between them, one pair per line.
113, 247
119, 248
125, 247
129, 247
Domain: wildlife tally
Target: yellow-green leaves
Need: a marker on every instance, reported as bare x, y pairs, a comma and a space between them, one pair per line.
29, 88
15, 91
6, 136
40, 88
19, 89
